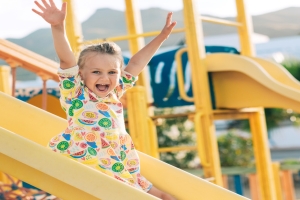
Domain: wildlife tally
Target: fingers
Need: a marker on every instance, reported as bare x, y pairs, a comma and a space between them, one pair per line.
37, 12
64, 7
46, 4
52, 4
169, 23
169, 18
39, 5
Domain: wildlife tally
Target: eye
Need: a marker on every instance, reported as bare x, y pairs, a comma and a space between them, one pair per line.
112, 72
96, 72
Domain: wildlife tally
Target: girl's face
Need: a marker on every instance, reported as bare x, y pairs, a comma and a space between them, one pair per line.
101, 73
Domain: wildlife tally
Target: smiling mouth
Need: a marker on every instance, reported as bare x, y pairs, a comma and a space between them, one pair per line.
102, 87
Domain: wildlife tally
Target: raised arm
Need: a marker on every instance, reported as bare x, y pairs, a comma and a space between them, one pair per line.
139, 61
56, 18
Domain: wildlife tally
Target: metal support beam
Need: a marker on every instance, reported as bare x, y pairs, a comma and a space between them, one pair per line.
134, 27
262, 155
73, 28
196, 53
245, 30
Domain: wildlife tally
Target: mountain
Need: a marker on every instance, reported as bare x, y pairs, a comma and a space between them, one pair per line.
106, 23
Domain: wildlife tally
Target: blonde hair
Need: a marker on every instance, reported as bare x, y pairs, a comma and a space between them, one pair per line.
110, 48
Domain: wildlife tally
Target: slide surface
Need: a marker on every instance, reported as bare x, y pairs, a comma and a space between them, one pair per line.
26, 130
241, 82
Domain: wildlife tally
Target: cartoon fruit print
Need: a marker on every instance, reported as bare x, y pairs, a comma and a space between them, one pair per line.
71, 111
52, 144
104, 122
114, 144
102, 106
105, 161
117, 167
123, 155
68, 84
90, 137
63, 145
92, 98
90, 115
87, 122
110, 152
104, 144
77, 104
119, 104
92, 151
79, 154
132, 162
126, 80
55, 139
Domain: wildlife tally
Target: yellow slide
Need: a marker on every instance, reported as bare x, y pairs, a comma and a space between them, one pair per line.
240, 82
24, 133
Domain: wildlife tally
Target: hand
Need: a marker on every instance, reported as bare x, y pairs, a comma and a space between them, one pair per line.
169, 26
50, 13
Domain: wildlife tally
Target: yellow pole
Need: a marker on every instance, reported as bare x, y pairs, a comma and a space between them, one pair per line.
196, 53
137, 118
4, 79
4, 87
134, 26
262, 156
259, 130
73, 28
245, 30
277, 175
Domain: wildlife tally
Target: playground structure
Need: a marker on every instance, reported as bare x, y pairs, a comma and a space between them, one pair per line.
230, 75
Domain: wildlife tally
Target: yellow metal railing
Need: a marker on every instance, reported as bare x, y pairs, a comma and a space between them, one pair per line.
127, 37
220, 21
180, 76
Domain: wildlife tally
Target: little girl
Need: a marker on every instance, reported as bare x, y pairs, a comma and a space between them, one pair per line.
90, 93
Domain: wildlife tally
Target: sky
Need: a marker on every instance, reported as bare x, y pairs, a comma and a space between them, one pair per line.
17, 20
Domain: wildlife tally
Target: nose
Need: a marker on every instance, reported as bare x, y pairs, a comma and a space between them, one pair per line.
103, 76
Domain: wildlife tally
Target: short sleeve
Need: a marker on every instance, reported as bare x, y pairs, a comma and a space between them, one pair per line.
70, 82
126, 82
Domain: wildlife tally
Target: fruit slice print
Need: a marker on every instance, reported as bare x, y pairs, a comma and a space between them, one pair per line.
126, 79
68, 84
104, 144
63, 145
92, 98
77, 104
90, 137
123, 155
71, 111
105, 123
105, 161
102, 106
117, 167
92, 151
79, 154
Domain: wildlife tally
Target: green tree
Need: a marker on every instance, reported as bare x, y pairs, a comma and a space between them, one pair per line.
235, 150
